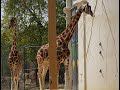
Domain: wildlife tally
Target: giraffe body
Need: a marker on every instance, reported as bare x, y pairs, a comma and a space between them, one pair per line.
63, 52
14, 59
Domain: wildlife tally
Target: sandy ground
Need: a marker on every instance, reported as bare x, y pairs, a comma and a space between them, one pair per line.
5, 85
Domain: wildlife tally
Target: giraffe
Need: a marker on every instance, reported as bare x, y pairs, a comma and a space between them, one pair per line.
63, 52
14, 59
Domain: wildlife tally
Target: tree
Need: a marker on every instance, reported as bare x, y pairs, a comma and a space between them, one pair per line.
32, 23
32, 16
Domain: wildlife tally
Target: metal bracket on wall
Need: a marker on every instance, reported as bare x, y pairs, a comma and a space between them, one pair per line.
101, 72
101, 54
100, 44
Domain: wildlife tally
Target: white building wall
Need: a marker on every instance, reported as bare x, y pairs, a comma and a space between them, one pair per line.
108, 62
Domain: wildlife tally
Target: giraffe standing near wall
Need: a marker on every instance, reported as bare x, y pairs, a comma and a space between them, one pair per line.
14, 59
63, 53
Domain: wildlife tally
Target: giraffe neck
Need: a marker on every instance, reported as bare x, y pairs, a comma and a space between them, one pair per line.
14, 37
67, 34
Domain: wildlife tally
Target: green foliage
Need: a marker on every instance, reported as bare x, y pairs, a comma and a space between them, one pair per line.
32, 23
5, 48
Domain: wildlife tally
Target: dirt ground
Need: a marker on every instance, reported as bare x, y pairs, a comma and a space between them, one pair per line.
5, 85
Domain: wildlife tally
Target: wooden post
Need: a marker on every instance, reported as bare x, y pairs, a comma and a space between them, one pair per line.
52, 44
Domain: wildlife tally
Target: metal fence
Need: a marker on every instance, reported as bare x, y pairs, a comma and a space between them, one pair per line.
29, 78
29, 57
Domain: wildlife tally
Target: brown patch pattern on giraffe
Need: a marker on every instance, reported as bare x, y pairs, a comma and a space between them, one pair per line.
63, 52
14, 59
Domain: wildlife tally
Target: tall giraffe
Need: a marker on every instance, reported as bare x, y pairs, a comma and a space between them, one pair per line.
14, 59
63, 52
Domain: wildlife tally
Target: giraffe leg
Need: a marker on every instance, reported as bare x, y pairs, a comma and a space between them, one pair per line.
58, 67
11, 83
40, 71
67, 77
45, 69
11, 78
15, 84
40, 80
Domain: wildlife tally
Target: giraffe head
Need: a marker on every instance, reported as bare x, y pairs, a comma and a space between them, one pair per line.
87, 9
12, 22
